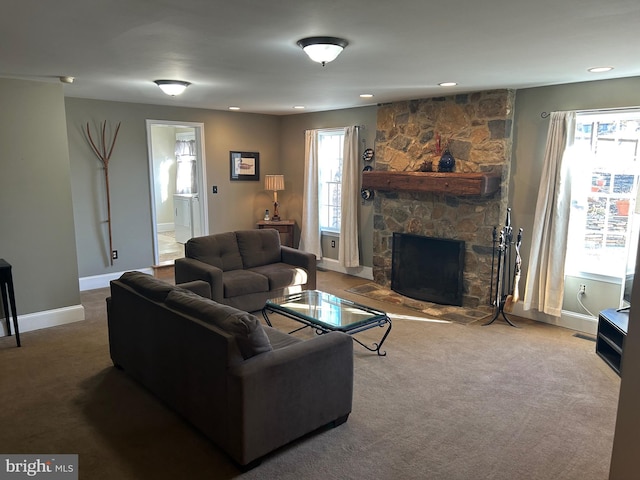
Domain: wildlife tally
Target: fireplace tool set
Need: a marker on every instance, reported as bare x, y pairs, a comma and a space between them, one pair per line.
505, 279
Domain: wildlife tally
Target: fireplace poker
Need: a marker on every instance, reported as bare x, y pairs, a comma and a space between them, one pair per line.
493, 260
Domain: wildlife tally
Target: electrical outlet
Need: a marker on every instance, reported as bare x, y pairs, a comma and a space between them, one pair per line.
114, 254
333, 244
582, 290
214, 189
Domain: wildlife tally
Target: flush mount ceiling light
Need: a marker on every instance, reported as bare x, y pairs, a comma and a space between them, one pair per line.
322, 49
172, 87
448, 84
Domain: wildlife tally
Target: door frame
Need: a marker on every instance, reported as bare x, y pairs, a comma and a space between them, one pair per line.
200, 173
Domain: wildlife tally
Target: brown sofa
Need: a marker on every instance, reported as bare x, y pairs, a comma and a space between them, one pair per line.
247, 267
250, 388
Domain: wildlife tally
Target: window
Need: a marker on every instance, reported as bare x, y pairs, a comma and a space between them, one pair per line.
330, 148
603, 229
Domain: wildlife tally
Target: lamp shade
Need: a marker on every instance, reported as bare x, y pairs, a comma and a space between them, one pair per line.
274, 182
172, 87
322, 49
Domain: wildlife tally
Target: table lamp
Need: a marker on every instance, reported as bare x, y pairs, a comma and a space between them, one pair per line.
274, 183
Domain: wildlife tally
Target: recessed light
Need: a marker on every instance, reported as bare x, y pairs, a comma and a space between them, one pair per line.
299, 107
600, 69
234, 108
366, 95
448, 84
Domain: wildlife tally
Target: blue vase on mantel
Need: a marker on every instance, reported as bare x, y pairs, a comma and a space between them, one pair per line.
447, 162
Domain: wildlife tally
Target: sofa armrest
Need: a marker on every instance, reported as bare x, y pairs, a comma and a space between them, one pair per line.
199, 287
280, 395
189, 269
302, 259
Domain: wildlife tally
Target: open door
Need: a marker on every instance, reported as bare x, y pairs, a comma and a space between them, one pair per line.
177, 180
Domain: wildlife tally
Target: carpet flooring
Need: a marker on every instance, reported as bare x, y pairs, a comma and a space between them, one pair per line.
448, 402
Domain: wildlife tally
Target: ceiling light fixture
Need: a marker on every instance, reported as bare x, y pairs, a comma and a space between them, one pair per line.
234, 108
448, 84
67, 79
366, 95
322, 49
172, 87
600, 69
299, 107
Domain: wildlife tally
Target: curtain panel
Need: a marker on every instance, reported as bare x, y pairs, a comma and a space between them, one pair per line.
310, 228
348, 253
545, 276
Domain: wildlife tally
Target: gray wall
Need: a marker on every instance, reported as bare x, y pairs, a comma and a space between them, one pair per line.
530, 133
238, 205
292, 141
37, 228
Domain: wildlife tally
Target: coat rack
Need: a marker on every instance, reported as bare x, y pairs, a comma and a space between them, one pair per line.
505, 279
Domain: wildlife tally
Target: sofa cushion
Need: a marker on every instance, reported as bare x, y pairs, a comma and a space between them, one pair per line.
220, 250
147, 285
259, 247
282, 275
244, 327
280, 339
243, 282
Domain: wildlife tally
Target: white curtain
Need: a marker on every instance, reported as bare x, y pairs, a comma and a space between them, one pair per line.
545, 277
348, 253
310, 228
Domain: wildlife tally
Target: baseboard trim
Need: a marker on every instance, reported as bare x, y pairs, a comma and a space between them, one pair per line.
570, 320
46, 319
102, 281
334, 266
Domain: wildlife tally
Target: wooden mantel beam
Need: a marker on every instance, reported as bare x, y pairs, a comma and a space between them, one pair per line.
458, 184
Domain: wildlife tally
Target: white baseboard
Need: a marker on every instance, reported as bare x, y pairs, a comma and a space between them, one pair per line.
102, 281
165, 227
46, 319
570, 320
334, 266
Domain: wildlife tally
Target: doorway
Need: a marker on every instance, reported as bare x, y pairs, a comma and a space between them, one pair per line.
177, 180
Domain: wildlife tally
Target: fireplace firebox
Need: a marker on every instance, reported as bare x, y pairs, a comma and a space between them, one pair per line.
427, 268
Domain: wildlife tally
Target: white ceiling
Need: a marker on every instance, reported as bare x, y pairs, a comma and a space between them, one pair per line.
244, 53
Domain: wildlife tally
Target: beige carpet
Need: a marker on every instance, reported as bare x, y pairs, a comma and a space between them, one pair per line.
448, 402
450, 313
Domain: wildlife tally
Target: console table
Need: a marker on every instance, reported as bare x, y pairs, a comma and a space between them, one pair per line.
6, 285
612, 331
285, 227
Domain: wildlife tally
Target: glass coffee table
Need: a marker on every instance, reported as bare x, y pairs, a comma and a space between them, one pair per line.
327, 313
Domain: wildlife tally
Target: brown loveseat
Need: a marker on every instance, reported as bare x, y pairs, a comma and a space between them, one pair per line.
247, 267
250, 388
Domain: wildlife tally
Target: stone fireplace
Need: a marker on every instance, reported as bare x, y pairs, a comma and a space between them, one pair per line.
478, 128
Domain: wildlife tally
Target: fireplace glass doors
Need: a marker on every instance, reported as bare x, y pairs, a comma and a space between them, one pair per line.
427, 268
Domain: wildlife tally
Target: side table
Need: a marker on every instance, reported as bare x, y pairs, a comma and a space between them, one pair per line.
6, 284
285, 227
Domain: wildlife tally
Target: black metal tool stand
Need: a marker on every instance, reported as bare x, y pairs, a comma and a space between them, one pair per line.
501, 272
8, 297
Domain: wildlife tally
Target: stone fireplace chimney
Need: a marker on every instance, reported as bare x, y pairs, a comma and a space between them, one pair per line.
478, 130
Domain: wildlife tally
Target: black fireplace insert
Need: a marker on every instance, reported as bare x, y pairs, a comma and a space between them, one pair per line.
427, 268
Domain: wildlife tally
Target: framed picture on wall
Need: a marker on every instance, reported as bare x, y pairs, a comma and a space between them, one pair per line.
245, 166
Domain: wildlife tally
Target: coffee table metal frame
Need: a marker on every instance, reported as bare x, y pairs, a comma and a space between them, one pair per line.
378, 318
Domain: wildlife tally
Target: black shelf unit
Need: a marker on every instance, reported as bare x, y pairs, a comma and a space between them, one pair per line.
612, 331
